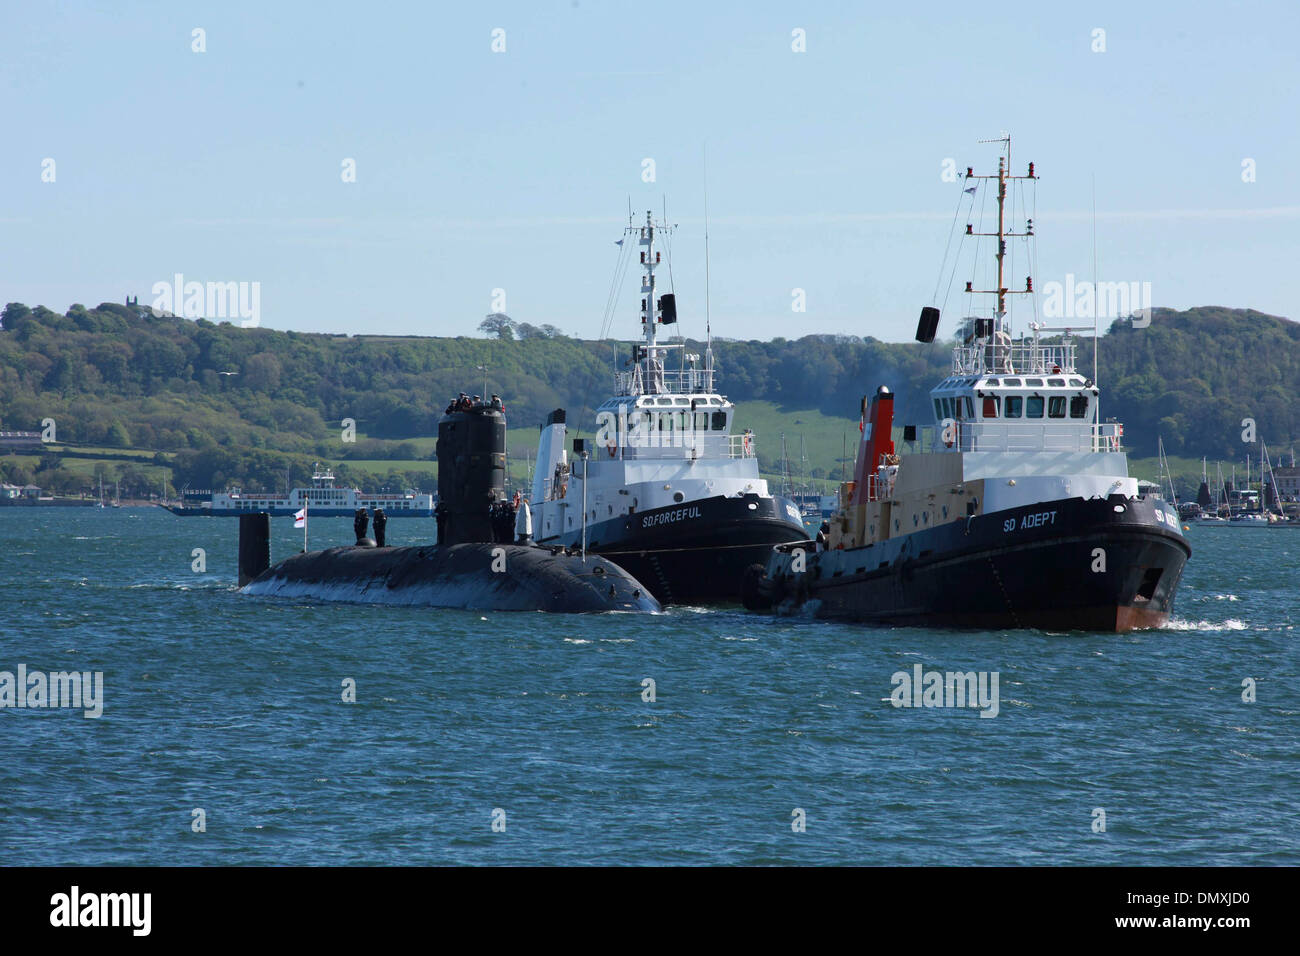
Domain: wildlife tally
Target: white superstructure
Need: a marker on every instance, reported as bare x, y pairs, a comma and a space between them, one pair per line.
1020, 417
664, 439
1017, 413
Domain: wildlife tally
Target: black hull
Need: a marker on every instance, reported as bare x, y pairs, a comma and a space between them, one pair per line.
1032, 567
695, 552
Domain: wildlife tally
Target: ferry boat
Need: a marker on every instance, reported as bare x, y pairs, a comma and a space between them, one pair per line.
668, 489
323, 499
1015, 509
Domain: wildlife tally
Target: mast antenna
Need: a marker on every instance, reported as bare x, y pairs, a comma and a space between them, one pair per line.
1096, 335
708, 318
1000, 326
708, 324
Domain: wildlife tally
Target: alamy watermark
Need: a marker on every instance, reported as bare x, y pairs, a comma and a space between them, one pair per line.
128, 910
210, 300
922, 688
1102, 300
37, 690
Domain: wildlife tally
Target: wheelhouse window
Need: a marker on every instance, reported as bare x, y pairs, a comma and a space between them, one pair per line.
719, 421
1034, 406
991, 403
1079, 406
1056, 382
1056, 406
1015, 406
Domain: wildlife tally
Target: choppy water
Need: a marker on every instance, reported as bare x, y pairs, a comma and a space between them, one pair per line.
233, 705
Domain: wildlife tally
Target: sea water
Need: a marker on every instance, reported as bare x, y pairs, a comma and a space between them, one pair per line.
238, 730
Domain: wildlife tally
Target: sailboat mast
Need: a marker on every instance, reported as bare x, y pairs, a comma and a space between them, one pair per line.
1263, 480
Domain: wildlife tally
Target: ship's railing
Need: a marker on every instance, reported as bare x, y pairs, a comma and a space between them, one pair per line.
1016, 358
1022, 437
683, 382
682, 445
676, 446
741, 446
873, 491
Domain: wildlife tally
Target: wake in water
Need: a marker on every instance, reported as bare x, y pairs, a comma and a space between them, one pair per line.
1231, 624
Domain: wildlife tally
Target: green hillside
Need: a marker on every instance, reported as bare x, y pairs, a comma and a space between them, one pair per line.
138, 397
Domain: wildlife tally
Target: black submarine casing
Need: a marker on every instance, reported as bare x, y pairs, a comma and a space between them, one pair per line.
254, 545
474, 566
472, 576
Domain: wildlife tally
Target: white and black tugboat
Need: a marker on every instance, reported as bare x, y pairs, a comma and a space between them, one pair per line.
666, 490
1015, 509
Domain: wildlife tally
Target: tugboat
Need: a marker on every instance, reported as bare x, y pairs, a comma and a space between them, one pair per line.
666, 490
1014, 510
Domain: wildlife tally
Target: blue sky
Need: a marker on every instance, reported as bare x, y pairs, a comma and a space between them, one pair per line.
479, 170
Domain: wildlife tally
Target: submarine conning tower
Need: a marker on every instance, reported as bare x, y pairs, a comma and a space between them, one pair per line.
476, 564
472, 473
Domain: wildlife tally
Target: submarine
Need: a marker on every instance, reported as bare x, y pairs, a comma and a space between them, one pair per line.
485, 558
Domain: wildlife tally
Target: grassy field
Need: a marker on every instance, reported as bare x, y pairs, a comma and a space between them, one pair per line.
141, 453
85, 468
823, 437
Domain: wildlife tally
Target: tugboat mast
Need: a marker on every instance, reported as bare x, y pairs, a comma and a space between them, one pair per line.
648, 285
653, 366
1003, 177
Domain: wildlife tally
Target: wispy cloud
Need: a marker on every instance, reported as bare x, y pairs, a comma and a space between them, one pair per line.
779, 219
1264, 212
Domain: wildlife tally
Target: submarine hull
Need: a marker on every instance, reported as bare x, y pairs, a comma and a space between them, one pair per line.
469, 576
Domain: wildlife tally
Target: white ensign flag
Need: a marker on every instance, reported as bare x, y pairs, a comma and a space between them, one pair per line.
300, 519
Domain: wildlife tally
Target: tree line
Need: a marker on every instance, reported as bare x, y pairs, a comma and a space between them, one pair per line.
240, 405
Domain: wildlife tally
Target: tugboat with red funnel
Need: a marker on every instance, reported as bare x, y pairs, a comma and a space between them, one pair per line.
1015, 509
